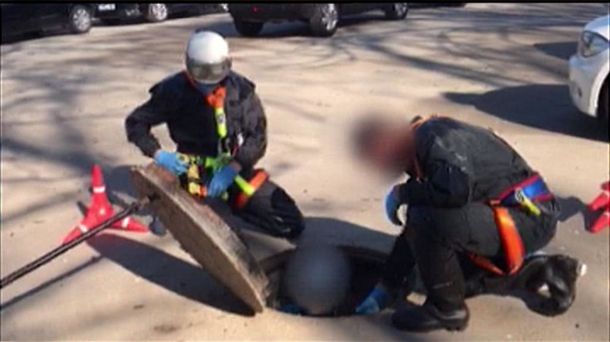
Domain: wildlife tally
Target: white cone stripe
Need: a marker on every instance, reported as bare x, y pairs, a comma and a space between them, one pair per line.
99, 189
125, 223
83, 228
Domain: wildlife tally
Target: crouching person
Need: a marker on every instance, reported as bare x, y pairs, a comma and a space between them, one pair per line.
219, 126
475, 207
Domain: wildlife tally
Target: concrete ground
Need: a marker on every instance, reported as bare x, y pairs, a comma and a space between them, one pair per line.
64, 99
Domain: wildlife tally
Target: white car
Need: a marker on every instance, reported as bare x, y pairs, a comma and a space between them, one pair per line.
589, 69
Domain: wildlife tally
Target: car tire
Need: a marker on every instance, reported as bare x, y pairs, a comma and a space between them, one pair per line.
156, 13
603, 103
248, 28
80, 19
397, 11
325, 20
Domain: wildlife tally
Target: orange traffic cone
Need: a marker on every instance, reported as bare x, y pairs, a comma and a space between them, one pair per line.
602, 222
100, 210
603, 199
601, 202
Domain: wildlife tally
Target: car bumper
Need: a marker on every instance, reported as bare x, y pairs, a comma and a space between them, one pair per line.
583, 82
271, 12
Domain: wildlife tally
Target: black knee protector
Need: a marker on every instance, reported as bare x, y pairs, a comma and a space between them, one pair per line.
273, 210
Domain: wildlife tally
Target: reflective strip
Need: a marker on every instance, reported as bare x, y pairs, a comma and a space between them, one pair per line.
217, 99
125, 223
244, 186
255, 183
83, 228
221, 122
99, 189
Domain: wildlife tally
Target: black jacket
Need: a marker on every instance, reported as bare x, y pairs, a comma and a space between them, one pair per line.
461, 163
191, 121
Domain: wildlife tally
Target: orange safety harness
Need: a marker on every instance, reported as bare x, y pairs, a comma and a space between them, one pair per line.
523, 195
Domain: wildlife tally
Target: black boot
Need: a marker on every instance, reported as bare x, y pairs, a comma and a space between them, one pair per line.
428, 317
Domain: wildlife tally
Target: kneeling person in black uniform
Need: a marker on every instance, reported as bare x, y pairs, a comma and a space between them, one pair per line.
218, 124
476, 214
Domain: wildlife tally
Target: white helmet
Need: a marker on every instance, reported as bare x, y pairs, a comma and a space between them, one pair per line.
207, 57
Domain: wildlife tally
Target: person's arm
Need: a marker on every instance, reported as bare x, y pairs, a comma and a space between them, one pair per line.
254, 133
448, 178
153, 112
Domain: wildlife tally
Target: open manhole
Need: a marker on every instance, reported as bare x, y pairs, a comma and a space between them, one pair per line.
365, 271
209, 239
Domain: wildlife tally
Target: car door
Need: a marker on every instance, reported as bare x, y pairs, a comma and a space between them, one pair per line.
357, 8
52, 15
17, 18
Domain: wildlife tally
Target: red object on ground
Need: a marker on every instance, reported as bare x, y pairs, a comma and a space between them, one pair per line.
601, 202
100, 210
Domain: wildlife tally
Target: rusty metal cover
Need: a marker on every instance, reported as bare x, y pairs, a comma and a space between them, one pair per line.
204, 235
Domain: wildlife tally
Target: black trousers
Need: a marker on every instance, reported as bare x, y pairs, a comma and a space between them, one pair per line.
438, 239
270, 208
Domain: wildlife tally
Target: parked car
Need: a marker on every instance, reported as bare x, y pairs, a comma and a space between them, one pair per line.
152, 12
22, 18
589, 81
249, 18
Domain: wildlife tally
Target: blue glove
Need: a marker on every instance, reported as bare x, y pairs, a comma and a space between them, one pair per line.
376, 301
392, 203
221, 181
171, 161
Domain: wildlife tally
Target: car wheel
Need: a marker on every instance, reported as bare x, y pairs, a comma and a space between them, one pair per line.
156, 12
80, 19
325, 20
397, 11
248, 28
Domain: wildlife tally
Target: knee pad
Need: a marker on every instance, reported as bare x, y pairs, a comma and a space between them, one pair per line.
273, 210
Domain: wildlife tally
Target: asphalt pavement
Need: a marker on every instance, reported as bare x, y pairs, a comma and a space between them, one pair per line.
64, 99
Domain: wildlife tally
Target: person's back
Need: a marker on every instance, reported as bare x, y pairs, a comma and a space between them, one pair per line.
492, 165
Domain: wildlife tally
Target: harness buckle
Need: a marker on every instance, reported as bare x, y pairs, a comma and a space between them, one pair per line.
526, 203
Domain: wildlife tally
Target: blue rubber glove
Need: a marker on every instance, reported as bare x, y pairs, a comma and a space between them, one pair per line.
171, 162
221, 181
376, 301
392, 203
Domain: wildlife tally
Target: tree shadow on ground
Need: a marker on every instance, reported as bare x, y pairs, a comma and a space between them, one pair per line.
542, 106
168, 271
58, 279
561, 50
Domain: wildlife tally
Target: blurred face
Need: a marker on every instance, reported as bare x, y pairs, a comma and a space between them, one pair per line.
386, 147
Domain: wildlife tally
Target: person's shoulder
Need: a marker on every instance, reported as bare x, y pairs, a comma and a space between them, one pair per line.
439, 125
241, 83
172, 83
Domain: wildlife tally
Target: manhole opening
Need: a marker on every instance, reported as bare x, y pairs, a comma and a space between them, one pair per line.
366, 268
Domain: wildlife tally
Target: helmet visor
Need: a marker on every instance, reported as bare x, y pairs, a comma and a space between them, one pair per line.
208, 73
